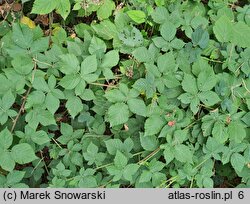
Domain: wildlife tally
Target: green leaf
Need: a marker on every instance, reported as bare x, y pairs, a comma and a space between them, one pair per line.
74, 48
155, 166
194, 105
130, 170
22, 36
177, 43
92, 153
92, 148
246, 119
145, 176
35, 98
44, 6
115, 95
6, 84
149, 143
97, 45
137, 16
180, 136
40, 84
236, 131
186, 98
106, 29
168, 31
208, 182
22, 64
237, 33
114, 171
131, 37
23, 153
213, 147
105, 10
206, 80
74, 106
113, 145
168, 153
219, 132
238, 161
38, 115
46, 118
120, 160
63, 8
15, 177
6, 161
52, 103
88, 95
66, 129
137, 106
69, 64
4, 28
40, 45
110, 59
88, 182
189, 84
6, 139
160, 15
40, 137
153, 125
200, 37
241, 34
89, 65
6, 103
118, 114
70, 81
223, 29
183, 153
141, 54
166, 63
209, 98
89, 78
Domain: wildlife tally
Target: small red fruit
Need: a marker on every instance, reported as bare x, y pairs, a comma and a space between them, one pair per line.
171, 123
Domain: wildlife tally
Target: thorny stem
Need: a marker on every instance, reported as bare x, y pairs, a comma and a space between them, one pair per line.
138, 153
57, 143
245, 86
36, 166
140, 163
170, 183
106, 85
116, 77
196, 167
231, 53
106, 184
50, 25
191, 124
239, 67
45, 63
211, 60
103, 166
149, 156
46, 168
171, 179
192, 182
24, 100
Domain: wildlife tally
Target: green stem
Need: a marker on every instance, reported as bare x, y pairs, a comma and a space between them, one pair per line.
103, 166
149, 156
212, 60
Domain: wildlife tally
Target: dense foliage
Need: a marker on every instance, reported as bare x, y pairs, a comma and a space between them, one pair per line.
135, 93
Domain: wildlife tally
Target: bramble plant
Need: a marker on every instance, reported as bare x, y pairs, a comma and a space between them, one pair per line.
136, 93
